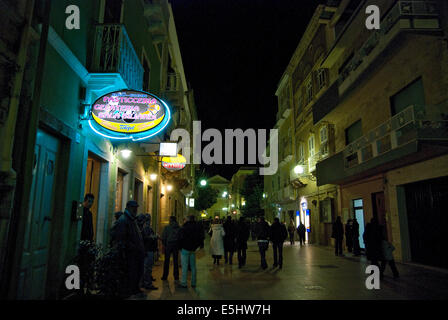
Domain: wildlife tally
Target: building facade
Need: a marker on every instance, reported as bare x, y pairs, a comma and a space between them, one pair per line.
236, 200
55, 157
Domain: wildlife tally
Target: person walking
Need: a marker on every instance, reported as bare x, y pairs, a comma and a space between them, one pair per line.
87, 218
278, 236
291, 231
388, 258
217, 241
349, 235
301, 232
242, 235
129, 240
229, 240
191, 237
355, 237
170, 241
86, 258
150, 243
263, 236
338, 235
373, 236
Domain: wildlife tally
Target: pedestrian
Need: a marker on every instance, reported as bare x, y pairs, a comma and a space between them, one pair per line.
373, 236
242, 235
170, 241
278, 234
87, 218
291, 231
263, 236
117, 215
129, 240
150, 243
338, 235
388, 258
217, 240
86, 258
301, 232
349, 235
355, 234
229, 240
191, 237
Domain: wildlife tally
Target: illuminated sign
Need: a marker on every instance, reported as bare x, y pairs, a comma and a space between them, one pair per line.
168, 149
174, 163
129, 114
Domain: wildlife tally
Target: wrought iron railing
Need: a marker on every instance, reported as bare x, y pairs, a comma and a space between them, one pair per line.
402, 9
114, 53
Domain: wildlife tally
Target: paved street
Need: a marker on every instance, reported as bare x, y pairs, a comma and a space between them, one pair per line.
309, 273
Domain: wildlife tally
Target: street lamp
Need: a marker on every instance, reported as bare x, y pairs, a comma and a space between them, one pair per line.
169, 187
298, 169
153, 176
203, 182
126, 153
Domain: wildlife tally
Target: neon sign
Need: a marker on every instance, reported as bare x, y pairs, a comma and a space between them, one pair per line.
129, 115
174, 163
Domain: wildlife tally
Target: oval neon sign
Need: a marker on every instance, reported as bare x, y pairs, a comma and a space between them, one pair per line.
129, 114
174, 163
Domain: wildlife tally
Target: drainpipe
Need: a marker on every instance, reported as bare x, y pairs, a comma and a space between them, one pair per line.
6, 147
21, 201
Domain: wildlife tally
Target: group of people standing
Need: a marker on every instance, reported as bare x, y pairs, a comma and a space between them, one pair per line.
377, 248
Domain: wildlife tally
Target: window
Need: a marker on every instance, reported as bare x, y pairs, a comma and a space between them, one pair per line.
301, 153
311, 146
309, 91
299, 104
323, 134
353, 132
413, 94
321, 78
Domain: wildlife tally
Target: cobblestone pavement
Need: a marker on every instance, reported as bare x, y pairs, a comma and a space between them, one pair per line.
309, 273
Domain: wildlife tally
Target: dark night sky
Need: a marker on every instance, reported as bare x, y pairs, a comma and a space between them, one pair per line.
234, 53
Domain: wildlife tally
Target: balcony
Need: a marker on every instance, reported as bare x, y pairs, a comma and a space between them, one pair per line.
405, 16
327, 13
286, 154
115, 64
394, 143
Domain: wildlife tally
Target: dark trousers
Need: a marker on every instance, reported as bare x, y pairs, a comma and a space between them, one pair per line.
338, 246
278, 252
263, 246
228, 255
171, 250
392, 265
349, 243
302, 239
241, 257
356, 248
291, 237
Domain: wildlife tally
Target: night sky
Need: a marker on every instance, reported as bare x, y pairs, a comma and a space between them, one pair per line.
234, 53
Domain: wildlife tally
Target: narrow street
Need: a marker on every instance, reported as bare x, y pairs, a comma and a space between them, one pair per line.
309, 273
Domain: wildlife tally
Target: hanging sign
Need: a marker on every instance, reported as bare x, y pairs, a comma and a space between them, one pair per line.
129, 114
174, 163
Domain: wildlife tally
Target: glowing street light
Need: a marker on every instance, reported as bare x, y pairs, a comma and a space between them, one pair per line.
126, 153
169, 187
153, 176
298, 169
203, 182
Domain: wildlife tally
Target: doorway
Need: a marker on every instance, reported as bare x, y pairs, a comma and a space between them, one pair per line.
358, 211
119, 191
138, 193
379, 209
34, 262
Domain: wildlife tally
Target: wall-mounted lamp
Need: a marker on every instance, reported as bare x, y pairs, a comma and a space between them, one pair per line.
153, 177
125, 153
169, 187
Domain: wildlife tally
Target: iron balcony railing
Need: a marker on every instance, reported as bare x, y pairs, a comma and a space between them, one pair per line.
399, 130
401, 10
114, 53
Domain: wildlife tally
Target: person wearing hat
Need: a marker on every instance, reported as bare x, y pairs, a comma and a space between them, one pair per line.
129, 239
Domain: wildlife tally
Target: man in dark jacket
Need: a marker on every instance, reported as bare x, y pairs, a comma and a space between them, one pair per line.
263, 234
87, 219
338, 235
373, 235
229, 240
86, 259
191, 237
349, 235
170, 241
278, 236
301, 232
242, 235
355, 234
127, 237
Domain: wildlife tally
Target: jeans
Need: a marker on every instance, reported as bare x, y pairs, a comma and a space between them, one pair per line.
228, 255
188, 258
263, 246
278, 246
171, 250
241, 257
147, 275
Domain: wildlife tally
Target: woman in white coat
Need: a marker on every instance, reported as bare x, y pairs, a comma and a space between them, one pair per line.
217, 241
